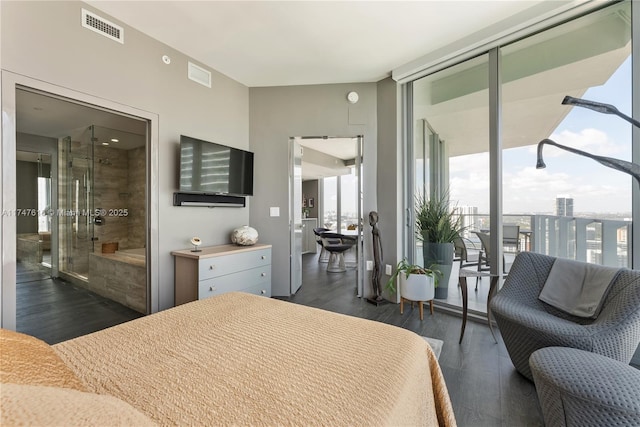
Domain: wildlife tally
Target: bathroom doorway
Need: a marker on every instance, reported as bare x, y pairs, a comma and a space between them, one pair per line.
82, 221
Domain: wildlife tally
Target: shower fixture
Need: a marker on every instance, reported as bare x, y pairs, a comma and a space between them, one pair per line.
104, 161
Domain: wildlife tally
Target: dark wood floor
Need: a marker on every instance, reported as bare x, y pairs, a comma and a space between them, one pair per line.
485, 390
484, 387
54, 310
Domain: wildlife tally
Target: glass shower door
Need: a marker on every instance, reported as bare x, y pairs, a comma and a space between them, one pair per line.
78, 207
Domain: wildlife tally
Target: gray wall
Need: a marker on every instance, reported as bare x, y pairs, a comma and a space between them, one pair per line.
277, 113
310, 190
390, 174
27, 197
45, 41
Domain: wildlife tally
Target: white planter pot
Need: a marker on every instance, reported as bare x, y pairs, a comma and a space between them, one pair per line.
417, 287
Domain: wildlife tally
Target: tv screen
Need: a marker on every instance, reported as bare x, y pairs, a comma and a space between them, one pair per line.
210, 168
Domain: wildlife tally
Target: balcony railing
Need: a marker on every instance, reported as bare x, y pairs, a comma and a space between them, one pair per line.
594, 240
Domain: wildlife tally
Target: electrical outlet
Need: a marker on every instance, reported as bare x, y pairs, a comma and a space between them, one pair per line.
388, 270
369, 265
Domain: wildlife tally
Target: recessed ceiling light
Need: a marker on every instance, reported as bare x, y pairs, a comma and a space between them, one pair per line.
115, 140
105, 143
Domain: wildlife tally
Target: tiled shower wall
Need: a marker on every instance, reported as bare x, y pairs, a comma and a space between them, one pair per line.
119, 189
137, 208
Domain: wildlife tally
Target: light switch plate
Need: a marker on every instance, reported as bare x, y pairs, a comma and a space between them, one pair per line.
388, 270
369, 265
274, 211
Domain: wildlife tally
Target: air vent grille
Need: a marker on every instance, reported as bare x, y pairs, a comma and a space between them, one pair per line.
100, 25
199, 74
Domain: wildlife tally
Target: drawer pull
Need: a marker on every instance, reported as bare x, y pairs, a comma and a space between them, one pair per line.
263, 257
212, 288
211, 267
263, 274
263, 292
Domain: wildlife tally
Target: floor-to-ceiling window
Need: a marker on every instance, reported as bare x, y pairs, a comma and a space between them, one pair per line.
349, 201
575, 208
330, 202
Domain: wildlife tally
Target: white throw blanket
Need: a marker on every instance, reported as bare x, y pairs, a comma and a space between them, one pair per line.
577, 288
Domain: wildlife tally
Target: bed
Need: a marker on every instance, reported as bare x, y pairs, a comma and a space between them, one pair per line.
234, 359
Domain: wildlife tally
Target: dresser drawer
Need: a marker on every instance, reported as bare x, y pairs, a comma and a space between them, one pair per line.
227, 264
263, 290
260, 276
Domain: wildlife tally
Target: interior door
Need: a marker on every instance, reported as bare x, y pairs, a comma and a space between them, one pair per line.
360, 247
295, 214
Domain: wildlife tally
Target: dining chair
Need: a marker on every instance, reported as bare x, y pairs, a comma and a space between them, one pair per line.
324, 255
336, 244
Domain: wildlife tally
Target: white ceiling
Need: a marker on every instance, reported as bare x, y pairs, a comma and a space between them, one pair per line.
44, 115
281, 43
339, 152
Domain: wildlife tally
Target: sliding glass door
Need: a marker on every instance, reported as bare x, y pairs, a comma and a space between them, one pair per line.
450, 152
575, 208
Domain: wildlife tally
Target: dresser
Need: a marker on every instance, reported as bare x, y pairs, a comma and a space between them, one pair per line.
215, 270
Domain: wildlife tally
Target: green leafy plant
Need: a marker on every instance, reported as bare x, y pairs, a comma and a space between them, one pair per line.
436, 222
409, 269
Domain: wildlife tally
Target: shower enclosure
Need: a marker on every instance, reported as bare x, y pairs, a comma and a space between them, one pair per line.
102, 213
76, 204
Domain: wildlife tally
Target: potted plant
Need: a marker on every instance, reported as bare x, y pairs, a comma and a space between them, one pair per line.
437, 226
416, 283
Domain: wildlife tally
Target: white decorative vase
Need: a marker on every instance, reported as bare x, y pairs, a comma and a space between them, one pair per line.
417, 287
244, 236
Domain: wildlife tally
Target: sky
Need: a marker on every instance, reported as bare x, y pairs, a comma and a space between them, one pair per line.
594, 187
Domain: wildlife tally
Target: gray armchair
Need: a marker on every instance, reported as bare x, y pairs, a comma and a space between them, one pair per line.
528, 324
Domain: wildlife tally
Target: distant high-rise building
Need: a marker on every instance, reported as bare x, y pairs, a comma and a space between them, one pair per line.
470, 219
564, 206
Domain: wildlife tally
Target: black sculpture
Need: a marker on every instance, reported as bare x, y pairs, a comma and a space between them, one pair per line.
621, 165
599, 107
617, 164
377, 259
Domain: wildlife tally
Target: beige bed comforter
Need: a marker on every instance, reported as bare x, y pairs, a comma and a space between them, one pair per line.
239, 359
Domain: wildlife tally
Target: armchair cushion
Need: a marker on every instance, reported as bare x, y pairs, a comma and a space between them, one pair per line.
578, 288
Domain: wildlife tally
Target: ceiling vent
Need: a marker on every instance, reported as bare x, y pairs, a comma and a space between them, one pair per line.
100, 25
199, 75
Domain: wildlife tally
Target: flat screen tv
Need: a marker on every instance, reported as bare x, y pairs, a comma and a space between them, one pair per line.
210, 168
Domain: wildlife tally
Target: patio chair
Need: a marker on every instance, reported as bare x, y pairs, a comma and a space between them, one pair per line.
511, 237
462, 253
528, 324
485, 255
466, 257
